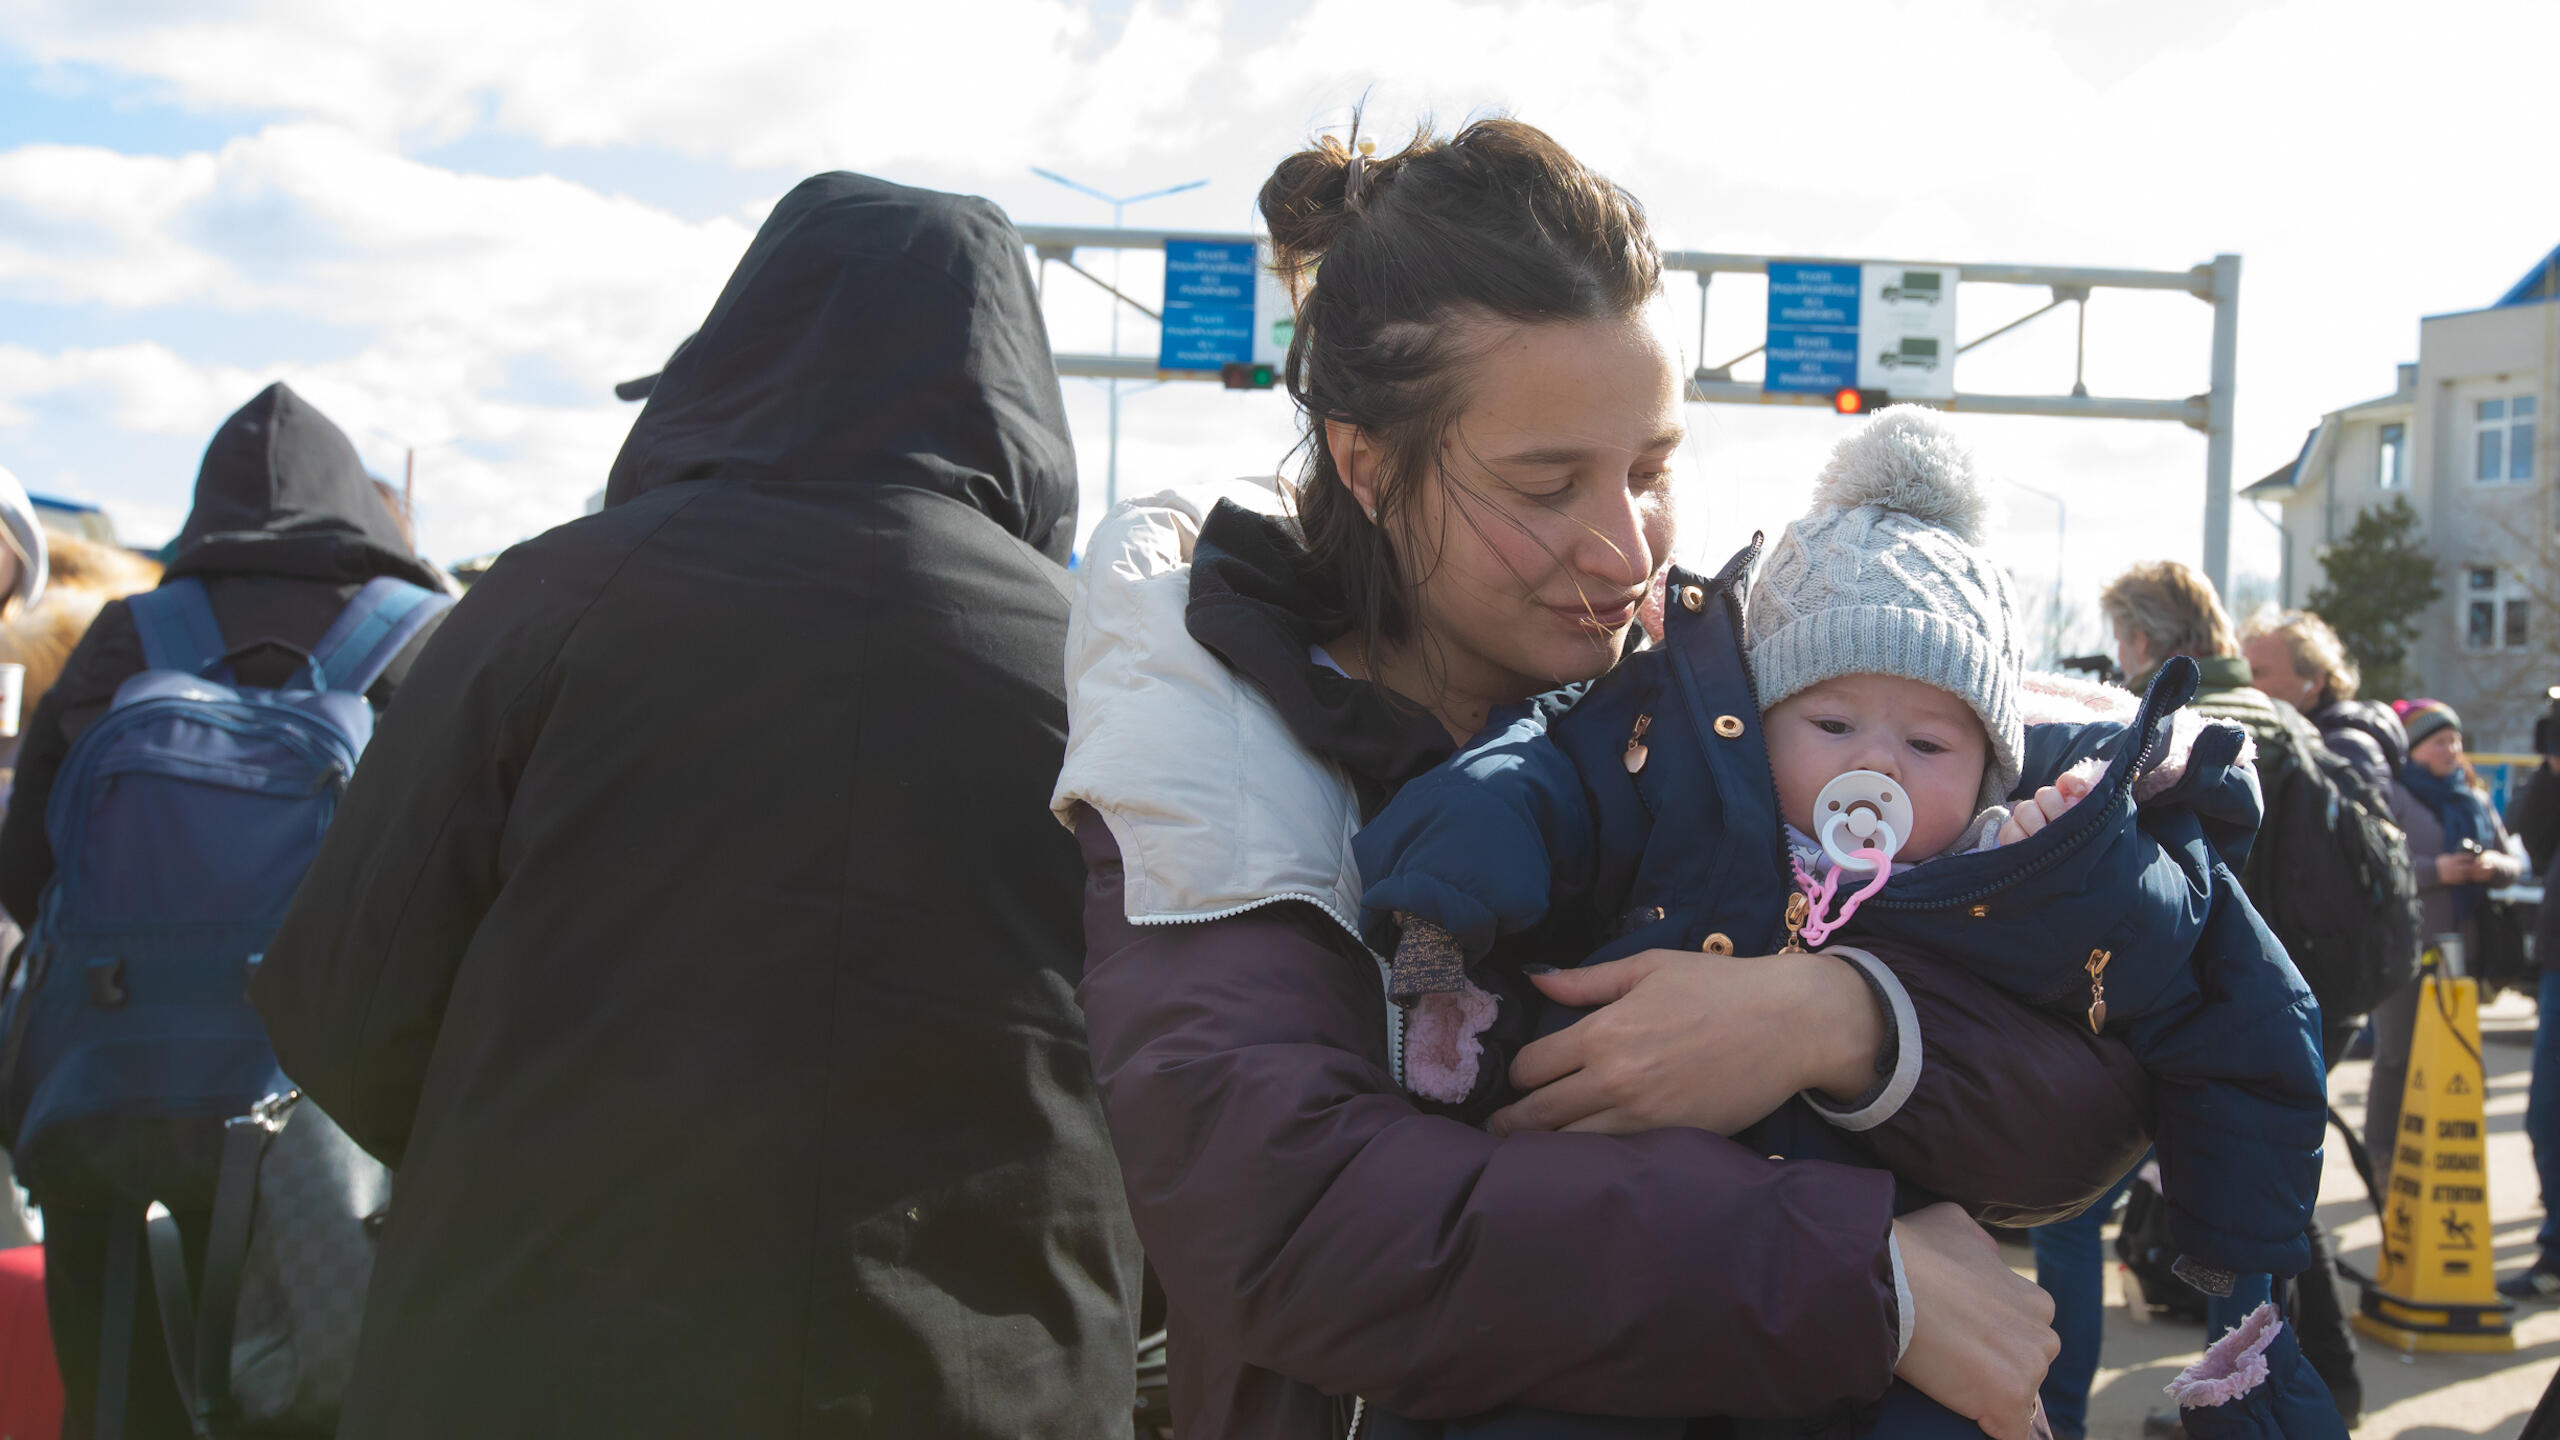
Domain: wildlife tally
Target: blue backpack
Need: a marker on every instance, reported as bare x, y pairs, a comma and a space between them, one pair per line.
182, 822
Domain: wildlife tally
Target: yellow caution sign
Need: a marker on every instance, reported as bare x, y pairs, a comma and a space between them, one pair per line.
2437, 1289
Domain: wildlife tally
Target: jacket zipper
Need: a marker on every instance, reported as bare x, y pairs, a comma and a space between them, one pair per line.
2141, 763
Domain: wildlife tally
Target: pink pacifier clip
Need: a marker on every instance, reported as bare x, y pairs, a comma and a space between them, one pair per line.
1818, 894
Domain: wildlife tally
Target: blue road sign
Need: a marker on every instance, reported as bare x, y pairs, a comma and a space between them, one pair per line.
1208, 305
1813, 327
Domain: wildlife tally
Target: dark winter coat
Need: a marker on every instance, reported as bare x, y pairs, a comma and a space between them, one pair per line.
1319, 1236
697, 943
286, 528
1542, 829
2367, 735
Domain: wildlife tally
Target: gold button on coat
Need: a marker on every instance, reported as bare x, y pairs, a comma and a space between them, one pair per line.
1729, 726
1718, 944
1692, 599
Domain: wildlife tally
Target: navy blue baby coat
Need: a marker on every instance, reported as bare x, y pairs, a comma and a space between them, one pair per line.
1538, 839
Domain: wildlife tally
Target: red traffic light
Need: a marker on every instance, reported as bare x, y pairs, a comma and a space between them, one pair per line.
1850, 400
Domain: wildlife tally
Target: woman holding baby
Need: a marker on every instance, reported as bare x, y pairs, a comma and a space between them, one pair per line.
1483, 509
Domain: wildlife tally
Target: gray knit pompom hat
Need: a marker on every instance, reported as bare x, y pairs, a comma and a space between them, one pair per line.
1886, 576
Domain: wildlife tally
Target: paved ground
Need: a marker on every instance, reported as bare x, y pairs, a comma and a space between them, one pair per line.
2424, 1397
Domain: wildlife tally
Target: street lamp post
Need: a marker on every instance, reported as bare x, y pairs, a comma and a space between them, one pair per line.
1118, 204
2061, 531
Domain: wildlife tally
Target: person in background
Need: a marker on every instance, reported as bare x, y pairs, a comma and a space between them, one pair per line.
26, 561
82, 576
2295, 657
2536, 815
2461, 851
697, 944
284, 531
23, 550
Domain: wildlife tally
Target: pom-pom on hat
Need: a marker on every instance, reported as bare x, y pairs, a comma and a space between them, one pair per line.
2422, 718
1886, 576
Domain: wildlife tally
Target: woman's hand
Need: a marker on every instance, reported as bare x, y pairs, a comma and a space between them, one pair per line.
1713, 1041
1981, 1336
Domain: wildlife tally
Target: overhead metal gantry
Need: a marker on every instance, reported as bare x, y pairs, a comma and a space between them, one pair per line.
2217, 283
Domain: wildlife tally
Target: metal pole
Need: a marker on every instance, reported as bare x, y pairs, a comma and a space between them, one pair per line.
2217, 432
2061, 543
1117, 239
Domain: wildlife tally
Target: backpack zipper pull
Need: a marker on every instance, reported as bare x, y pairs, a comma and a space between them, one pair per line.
2098, 989
1636, 749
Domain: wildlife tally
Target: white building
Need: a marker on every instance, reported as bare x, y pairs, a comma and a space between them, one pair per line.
2467, 436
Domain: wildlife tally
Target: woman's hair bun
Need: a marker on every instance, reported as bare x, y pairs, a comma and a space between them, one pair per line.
1305, 202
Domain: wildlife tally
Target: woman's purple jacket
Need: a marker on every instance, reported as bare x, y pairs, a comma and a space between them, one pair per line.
1320, 1237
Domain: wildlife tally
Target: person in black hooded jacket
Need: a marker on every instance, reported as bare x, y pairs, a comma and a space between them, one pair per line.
286, 528
698, 945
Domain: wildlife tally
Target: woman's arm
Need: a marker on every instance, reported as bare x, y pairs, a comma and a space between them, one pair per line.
1964, 1123
1307, 1218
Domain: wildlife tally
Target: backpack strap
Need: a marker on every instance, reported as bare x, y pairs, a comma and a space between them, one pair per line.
177, 626
245, 1139
372, 631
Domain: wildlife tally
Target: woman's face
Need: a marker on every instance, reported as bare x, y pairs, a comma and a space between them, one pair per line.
1533, 544
2439, 754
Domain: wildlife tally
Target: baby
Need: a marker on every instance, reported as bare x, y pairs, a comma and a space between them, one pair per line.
1883, 651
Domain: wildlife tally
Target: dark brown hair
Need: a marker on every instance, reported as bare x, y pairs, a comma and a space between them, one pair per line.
1396, 260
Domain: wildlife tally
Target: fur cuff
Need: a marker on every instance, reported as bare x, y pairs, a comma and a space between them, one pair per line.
1443, 1053
2233, 1366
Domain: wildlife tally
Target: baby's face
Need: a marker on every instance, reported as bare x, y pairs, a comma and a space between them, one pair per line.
1926, 739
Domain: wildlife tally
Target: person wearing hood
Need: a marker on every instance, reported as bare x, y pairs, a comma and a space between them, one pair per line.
698, 947
285, 530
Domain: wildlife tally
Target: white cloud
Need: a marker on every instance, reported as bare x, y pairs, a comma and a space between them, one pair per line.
461, 286
2372, 165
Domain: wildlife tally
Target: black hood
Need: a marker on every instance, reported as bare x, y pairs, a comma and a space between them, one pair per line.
1258, 602
282, 493
874, 335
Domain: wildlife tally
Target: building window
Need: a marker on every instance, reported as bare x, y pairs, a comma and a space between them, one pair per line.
2393, 471
2497, 612
2502, 442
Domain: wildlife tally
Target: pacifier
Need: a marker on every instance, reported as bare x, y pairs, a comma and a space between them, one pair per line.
1861, 810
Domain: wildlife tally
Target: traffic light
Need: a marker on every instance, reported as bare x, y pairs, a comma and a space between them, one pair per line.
1236, 375
1850, 400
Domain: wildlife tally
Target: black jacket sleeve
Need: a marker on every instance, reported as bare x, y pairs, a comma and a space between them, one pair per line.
354, 986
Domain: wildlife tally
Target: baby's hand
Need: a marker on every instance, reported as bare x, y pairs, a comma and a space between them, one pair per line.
2042, 808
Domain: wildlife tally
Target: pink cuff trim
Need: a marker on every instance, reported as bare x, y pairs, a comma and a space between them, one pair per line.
2233, 1366
1441, 1052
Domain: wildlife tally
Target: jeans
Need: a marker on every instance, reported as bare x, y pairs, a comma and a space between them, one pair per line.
2072, 1269
2542, 1111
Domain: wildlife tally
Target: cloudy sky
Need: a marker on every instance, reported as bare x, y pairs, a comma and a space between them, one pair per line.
454, 226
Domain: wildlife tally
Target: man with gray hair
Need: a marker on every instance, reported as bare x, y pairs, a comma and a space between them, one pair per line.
2295, 657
